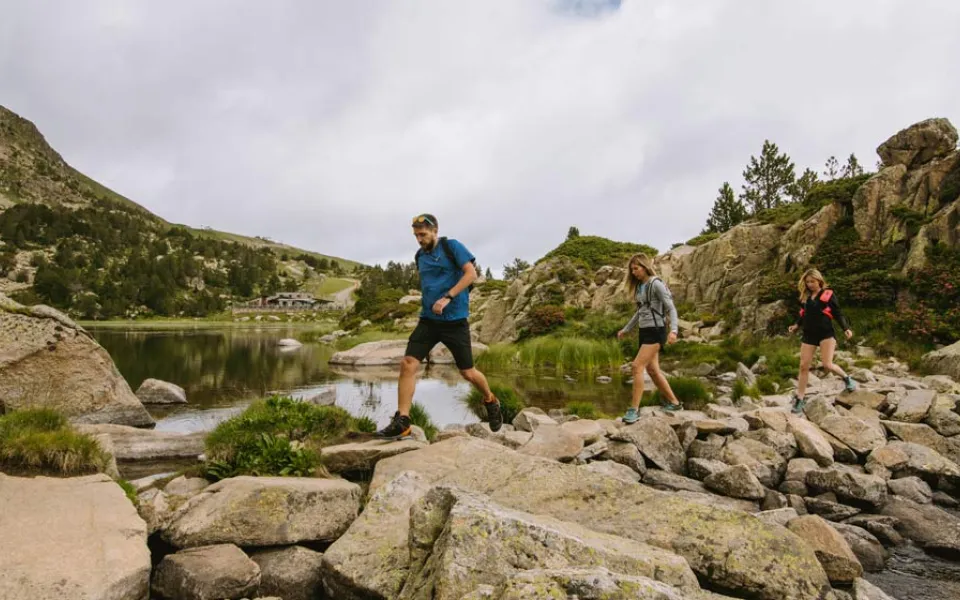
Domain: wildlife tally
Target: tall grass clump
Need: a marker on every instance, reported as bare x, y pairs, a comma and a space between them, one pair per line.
767, 385
41, 442
584, 410
690, 391
498, 357
510, 402
420, 418
741, 390
570, 354
278, 436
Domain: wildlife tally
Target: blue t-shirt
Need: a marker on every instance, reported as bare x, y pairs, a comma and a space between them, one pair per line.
438, 276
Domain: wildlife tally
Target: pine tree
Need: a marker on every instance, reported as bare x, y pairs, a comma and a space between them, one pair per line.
801, 187
513, 271
489, 274
573, 233
852, 168
727, 211
767, 179
831, 169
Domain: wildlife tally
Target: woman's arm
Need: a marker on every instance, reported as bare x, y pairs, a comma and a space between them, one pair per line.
632, 323
666, 299
837, 313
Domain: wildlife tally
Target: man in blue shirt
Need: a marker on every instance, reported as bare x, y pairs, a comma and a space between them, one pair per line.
446, 273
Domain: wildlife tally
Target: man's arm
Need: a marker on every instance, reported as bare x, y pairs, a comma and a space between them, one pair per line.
469, 276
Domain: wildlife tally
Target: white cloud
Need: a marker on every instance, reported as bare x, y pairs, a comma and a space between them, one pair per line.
328, 125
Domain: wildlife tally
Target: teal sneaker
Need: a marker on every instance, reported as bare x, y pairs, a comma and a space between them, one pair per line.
670, 407
631, 417
798, 405
850, 384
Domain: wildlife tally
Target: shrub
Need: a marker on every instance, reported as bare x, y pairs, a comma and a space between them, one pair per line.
543, 320
276, 436
741, 390
420, 418
584, 410
510, 402
865, 363
494, 285
41, 442
767, 385
365, 425
703, 238
692, 392
596, 252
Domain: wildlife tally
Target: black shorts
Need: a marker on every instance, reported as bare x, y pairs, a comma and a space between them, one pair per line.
455, 335
653, 335
814, 338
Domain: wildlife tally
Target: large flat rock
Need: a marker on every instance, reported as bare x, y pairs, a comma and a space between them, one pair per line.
131, 444
77, 538
729, 548
363, 456
266, 511
390, 352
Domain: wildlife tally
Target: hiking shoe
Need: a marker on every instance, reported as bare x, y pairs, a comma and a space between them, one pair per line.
398, 429
494, 416
631, 417
798, 404
851, 385
670, 407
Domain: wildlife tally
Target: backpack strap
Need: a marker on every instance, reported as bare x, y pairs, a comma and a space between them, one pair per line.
650, 303
445, 244
825, 295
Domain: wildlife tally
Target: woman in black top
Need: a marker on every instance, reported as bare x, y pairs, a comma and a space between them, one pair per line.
820, 309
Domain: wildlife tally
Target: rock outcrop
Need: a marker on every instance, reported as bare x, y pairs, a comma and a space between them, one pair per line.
729, 271
390, 352
773, 565
47, 360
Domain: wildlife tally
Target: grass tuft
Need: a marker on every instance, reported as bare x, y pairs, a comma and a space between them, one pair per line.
41, 442
420, 418
692, 392
510, 402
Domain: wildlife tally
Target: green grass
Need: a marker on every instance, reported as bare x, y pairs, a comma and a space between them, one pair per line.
510, 402
329, 286
584, 410
865, 363
873, 327
692, 392
767, 385
561, 354
595, 252
129, 491
420, 418
741, 390
277, 436
41, 442
369, 335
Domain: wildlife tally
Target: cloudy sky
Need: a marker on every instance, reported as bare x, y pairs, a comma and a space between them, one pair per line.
328, 125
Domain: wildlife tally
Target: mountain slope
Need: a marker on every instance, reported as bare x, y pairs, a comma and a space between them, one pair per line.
68, 241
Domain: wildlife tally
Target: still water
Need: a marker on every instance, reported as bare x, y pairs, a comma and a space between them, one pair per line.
223, 370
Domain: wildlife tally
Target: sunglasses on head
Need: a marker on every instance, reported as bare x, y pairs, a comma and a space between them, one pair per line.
423, 219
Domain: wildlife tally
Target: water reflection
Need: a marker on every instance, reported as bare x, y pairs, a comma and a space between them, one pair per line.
223, 370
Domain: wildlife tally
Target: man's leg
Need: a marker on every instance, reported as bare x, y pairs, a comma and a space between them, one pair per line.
408, 383
421, 341
457, 340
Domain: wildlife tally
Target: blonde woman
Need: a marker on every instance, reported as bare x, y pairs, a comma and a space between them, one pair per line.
653, 301
818, 312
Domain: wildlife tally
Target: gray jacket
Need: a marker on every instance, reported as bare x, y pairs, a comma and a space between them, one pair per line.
656, 306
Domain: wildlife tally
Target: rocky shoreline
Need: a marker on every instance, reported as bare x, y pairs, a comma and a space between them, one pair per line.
740, 500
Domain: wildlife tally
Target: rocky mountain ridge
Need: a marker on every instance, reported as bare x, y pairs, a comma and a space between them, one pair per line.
910, 205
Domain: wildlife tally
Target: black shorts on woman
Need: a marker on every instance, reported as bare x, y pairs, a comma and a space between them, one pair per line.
653, 335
